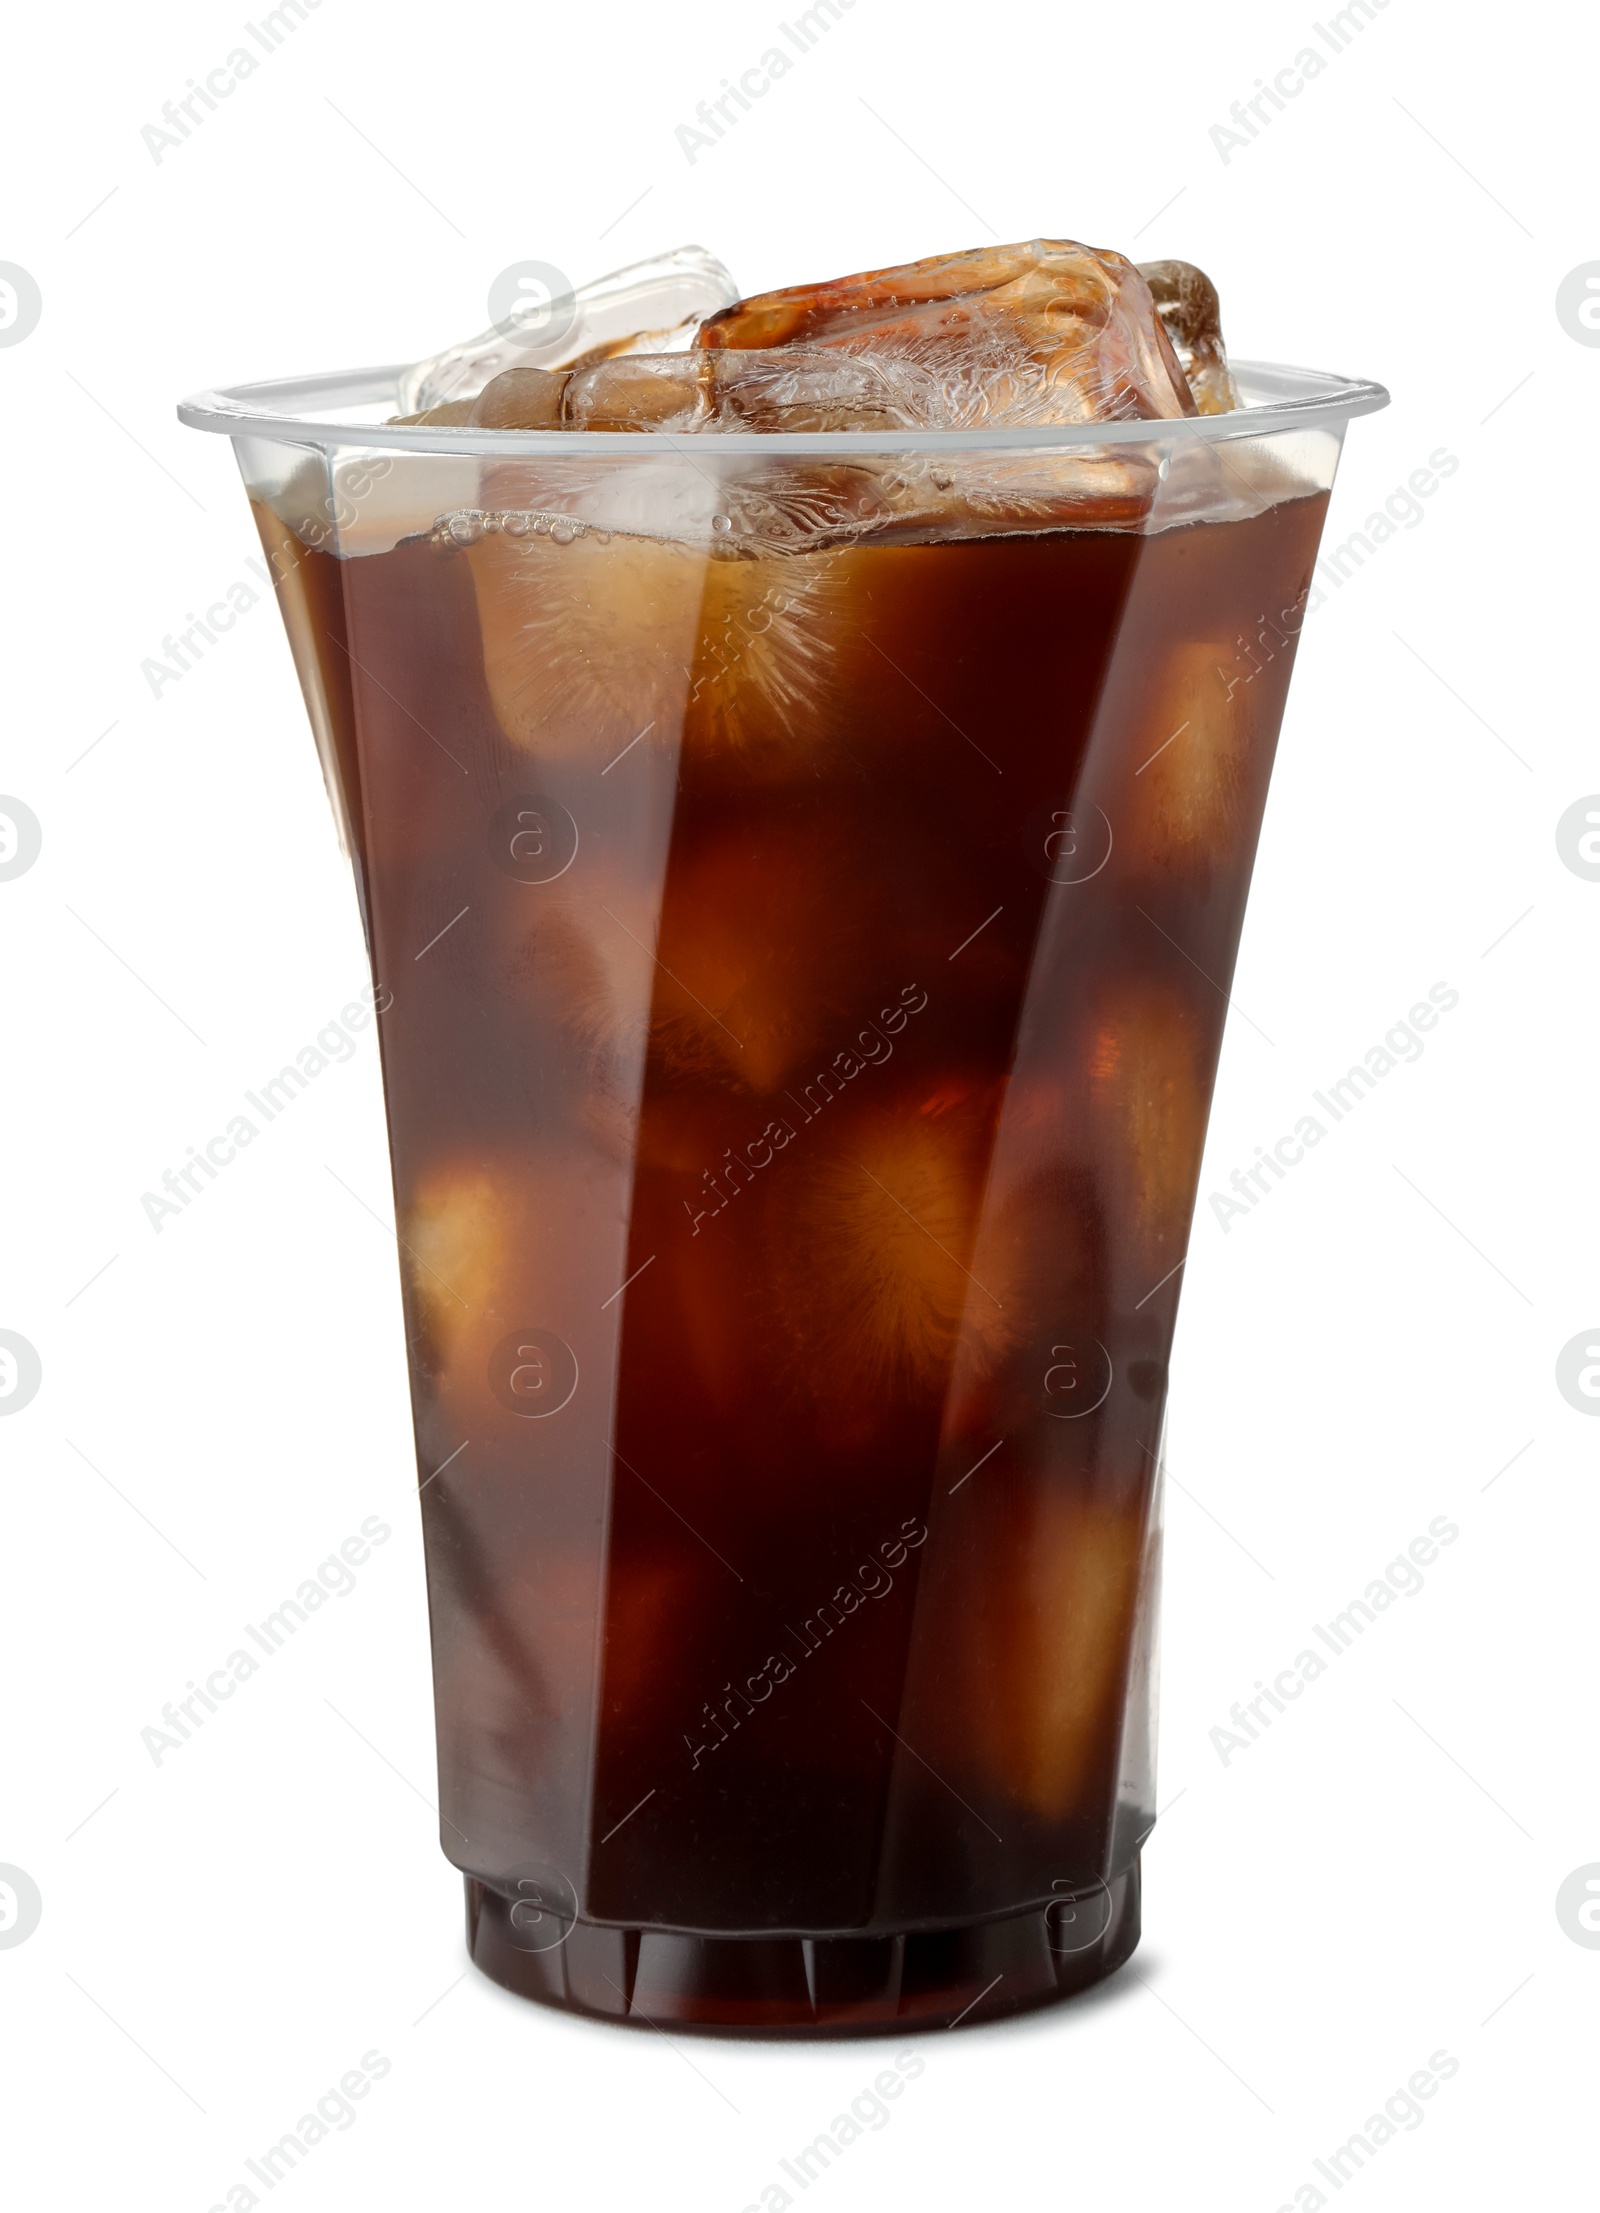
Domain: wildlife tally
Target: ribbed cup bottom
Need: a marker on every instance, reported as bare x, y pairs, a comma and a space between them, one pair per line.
803, 1986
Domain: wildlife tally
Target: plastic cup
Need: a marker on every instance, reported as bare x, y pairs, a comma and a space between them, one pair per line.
802, 877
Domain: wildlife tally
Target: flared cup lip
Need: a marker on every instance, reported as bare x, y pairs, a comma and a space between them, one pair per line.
345, 408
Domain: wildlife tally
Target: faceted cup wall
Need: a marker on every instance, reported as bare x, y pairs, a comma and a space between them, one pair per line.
803, 973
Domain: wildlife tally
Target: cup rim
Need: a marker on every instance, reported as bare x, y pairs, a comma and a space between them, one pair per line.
306, 410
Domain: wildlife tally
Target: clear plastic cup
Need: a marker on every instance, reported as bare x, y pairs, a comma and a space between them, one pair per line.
803, 875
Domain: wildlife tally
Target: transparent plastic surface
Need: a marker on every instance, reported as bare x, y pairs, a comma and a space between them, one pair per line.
662, 295
805, 875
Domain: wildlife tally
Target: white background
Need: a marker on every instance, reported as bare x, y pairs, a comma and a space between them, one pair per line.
1374, 1880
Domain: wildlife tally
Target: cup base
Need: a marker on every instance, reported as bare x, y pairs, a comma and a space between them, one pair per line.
795, 1986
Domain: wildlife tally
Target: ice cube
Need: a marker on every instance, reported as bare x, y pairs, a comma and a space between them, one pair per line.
1048, 331
679, 339
792, 389
517, 399
874, 1229
777, 641
494, 1242
1195, 725
582, 977
453, 1237
1149, 1090
673, 289
1040, 1244
1043, 332
589, 974
801, 388
759, 946
520, 399
448, 415
592, 639
638, 392
459, 1253
1039, 1620
588, 639
1191, 314
910, 499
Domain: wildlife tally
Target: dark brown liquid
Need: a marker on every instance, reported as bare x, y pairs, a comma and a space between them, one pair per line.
861, 1018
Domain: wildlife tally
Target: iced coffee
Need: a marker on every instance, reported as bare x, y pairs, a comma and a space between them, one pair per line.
802, 758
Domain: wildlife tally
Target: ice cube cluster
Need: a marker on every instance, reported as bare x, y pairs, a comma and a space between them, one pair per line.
1047, 331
